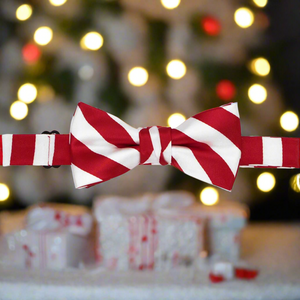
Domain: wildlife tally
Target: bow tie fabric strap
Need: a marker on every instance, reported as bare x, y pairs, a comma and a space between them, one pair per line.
257, 152
100, 146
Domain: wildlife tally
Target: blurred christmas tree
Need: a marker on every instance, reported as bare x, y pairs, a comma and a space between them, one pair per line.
143, 61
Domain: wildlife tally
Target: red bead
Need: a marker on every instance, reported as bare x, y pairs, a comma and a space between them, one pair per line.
31, 53
211, 26
225, 90
215, 278
144, 239
245, 273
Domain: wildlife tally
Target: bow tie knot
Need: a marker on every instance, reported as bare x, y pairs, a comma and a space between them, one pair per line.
155, 145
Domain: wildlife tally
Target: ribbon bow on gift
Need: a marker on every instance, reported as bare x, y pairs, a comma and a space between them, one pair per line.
207, 146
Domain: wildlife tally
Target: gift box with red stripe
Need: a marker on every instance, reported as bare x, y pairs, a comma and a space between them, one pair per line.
131, 233
50, 238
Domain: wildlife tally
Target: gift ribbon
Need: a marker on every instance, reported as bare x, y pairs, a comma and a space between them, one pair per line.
100, 146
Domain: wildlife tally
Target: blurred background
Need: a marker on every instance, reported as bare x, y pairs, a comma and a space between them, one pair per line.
150, 63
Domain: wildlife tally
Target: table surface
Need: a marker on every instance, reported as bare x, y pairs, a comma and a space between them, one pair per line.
273, 248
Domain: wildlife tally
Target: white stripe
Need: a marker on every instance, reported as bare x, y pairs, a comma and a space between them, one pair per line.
84, 177
232, 108
91, 138
155, 139
272, 151
168, 153
133, 132
6, 149
218, 142
51, 149
189, 164
41, 150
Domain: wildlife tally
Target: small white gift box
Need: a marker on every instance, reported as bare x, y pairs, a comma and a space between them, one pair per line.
223, 225
50, 239
132, 234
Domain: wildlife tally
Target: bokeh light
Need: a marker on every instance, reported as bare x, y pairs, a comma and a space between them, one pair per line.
24, 12
225, 90
209, 196
244, 17
138, 76
266, 182
92, 41
176, 119
86, 72
260, 66
57, 2
211, 26
4, 192
257, 93
19, 110
170, 4
31, 53
260, 3
27, 93
289, 121
295, 183
176, 69
43, 35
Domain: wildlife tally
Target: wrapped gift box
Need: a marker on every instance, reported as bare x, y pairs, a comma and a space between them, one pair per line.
223, 225
50, 238
131, 233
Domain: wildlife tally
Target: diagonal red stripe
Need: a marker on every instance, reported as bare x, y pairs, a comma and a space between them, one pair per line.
146, 147
214, 165
111, 131
93, 163
223, 121
23, 146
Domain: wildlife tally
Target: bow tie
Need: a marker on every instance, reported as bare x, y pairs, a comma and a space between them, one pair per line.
207, 146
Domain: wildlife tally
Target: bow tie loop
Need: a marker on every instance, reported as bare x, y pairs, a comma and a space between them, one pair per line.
156, 145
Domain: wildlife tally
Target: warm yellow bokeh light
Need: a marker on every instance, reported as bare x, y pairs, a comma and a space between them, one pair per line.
27, 93
289, 121
43, 35
295, 183
260, 3
176, 119
209, 196
260, 66
19, 110
170, 4
244, 17
24, 12
257, 93
138, 76
176, 69
57, 2
266, 182
4, 192
92, 41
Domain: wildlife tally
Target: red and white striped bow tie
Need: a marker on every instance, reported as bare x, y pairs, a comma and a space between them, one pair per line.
207, 146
